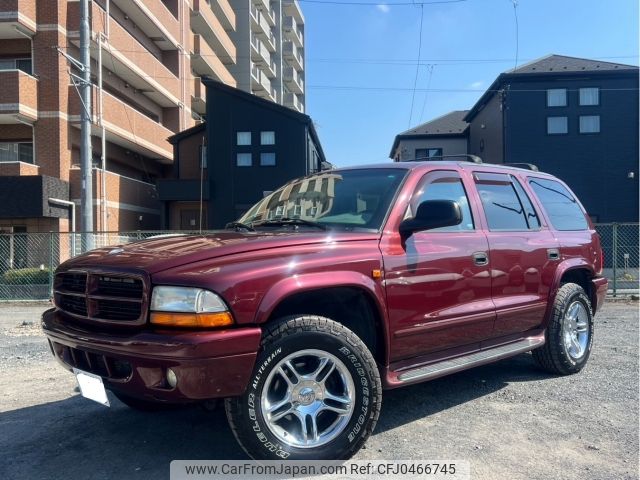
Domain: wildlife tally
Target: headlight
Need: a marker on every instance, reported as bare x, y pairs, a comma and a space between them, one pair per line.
188, 307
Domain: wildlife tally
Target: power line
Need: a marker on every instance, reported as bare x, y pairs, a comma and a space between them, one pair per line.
426, 94
515, 15
415, 81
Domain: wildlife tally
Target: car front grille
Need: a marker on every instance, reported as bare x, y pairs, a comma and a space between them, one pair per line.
102, 297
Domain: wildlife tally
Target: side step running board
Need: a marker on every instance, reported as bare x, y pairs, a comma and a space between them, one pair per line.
475, 359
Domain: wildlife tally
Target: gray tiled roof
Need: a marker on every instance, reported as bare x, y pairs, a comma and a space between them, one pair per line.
561, 63
449, 123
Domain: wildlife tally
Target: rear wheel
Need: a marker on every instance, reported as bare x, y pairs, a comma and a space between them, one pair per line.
315, 393
569, 335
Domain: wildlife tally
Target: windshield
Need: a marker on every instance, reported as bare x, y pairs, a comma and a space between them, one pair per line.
356, 199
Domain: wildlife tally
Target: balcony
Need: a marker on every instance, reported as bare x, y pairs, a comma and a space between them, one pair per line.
291, 100
132, 61
293, 55
199, 97
260, 84
226, 15
292, 31
293, 80
265, 7
206, 23
260, 54
127, 127
292, 8
205, 62
261, 28
17, 16
18, 97
154, 19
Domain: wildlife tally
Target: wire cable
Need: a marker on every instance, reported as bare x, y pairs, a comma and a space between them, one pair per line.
415, 81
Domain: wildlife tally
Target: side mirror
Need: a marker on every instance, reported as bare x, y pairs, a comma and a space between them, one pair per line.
432, 214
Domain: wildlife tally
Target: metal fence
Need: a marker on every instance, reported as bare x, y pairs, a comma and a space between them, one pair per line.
28, 260
620, 245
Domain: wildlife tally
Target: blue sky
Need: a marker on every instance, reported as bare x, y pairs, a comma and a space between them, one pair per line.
468, 43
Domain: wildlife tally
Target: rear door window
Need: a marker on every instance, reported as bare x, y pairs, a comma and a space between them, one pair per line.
505, 203
561, 206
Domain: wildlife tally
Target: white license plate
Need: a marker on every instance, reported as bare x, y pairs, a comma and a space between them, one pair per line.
91, 387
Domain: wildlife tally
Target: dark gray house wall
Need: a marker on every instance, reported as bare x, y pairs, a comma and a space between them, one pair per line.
595, 166
485, 131
235, 189
228, 190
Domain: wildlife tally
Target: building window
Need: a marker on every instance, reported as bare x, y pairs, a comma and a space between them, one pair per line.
589, 123
23, 64
428, 152
243, 160
557, 97
589, 96
267, 138
557, 125
268, 159
243, 138
16, 152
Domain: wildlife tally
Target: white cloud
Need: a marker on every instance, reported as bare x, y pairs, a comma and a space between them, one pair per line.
477, 84
383, 7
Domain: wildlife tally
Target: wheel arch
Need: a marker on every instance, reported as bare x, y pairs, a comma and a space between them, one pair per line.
349, 298
573, 271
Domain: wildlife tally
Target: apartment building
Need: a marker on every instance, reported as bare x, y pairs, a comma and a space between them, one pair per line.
148, 57
271, 36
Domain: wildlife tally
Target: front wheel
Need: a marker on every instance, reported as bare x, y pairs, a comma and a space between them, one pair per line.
569, 335
315, 393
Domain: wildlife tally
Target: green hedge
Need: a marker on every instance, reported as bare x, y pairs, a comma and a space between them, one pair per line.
26, 276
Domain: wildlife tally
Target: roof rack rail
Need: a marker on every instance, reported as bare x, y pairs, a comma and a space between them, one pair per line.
437, 158
524, 166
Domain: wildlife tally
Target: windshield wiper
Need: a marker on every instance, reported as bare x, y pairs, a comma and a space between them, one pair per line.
239, 226
291, 221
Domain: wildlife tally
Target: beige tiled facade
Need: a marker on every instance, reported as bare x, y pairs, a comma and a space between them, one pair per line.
152, 54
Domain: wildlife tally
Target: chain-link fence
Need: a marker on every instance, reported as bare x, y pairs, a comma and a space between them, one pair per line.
28, 260
620, 245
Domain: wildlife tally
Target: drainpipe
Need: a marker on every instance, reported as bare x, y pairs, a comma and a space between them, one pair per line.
68, 203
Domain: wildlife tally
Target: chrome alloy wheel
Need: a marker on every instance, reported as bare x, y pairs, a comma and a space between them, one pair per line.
307, 399
576, 330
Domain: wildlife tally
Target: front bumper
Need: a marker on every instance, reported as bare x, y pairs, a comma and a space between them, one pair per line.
208, 364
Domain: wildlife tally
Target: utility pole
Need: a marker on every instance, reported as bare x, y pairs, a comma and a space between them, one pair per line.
86, 157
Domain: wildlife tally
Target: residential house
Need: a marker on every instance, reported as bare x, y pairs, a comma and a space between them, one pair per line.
248, 147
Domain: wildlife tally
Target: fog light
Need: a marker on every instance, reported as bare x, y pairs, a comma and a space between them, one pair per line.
172, 380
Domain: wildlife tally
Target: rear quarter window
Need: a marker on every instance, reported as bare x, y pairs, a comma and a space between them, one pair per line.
561, 206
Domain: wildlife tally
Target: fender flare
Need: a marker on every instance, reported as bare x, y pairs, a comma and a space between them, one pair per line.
564, 267
290, 286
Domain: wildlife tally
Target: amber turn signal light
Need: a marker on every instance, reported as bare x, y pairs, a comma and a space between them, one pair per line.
201, 320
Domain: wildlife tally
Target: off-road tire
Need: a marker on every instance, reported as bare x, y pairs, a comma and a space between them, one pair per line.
553, 355
287, 336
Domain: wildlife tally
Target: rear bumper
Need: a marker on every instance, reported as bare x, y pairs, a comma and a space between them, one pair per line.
208, 364
599, 292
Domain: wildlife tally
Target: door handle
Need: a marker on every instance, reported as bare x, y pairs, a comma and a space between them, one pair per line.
553, 254
480, 258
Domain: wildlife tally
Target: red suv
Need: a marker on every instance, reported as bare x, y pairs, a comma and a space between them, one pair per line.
328, 291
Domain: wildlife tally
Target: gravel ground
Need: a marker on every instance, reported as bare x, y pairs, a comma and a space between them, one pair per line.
509, 419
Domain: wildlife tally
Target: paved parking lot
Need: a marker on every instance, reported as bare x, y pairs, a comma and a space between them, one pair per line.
510, 419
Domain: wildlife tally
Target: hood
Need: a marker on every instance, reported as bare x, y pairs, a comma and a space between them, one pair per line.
158, 254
